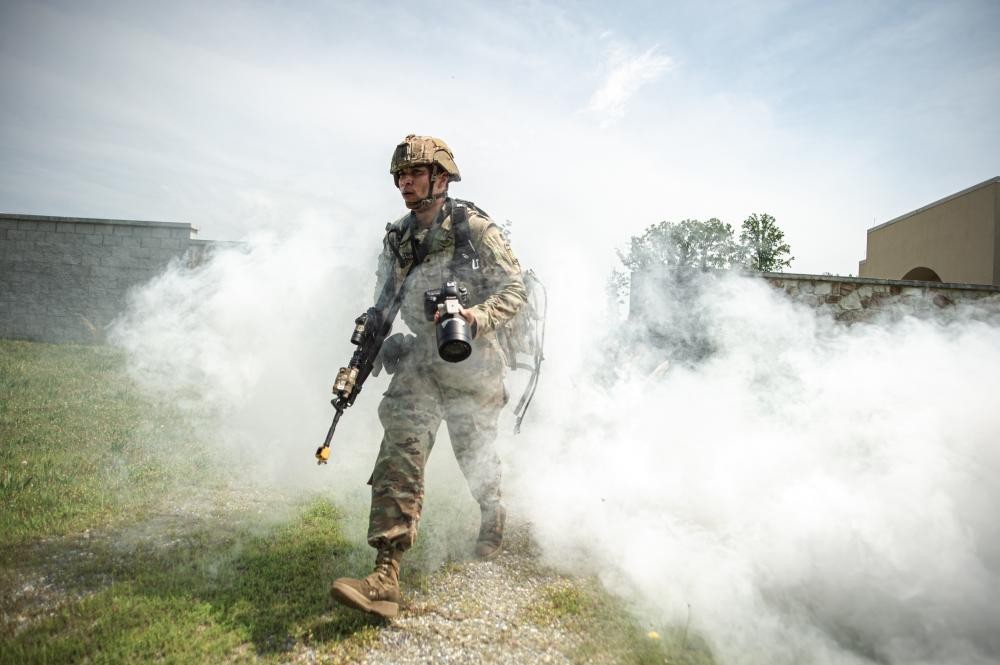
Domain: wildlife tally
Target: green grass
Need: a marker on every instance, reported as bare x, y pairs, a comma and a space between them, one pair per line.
79, 446
222, 591
89, 469
586, 609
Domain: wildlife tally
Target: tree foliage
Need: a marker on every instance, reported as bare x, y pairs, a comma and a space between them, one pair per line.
764, 244
692, 245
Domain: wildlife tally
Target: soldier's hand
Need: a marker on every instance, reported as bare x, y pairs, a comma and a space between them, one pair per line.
469, 317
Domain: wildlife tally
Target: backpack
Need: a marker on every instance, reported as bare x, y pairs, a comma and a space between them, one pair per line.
523, 337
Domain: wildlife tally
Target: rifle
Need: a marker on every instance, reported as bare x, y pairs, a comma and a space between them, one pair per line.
370, 331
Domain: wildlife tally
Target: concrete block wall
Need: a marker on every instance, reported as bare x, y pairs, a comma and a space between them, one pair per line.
64, 279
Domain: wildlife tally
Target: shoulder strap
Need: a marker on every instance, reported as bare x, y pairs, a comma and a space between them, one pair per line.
389, 291
465, 256
473, 206
391, 296
390, 231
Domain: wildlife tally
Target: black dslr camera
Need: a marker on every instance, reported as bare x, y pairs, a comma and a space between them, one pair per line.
453, 335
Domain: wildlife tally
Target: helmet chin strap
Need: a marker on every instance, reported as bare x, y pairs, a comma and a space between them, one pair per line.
424, 204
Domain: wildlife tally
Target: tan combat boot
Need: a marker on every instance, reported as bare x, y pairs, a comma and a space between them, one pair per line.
379, 592
490, 540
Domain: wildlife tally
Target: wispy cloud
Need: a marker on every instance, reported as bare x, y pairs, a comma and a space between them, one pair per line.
627, 72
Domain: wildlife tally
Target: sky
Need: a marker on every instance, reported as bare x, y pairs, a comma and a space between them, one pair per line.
566, 118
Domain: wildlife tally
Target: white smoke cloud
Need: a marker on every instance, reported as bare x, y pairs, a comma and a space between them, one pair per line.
809, 492
251, 340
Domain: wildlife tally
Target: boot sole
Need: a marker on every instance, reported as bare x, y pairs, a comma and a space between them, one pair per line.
352, 598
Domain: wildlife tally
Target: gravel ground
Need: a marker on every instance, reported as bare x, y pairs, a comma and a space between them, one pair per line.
475, 612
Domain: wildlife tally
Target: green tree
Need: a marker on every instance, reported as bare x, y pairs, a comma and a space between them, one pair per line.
682, 246
764, 244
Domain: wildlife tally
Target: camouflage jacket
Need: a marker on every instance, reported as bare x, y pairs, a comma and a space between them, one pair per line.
494, 298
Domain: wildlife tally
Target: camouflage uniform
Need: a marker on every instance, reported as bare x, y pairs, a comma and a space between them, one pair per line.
425, 389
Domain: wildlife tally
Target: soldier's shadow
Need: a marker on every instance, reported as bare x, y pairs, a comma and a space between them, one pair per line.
291, 603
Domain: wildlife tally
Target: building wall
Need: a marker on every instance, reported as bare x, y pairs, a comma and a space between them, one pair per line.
958, 238
64, 279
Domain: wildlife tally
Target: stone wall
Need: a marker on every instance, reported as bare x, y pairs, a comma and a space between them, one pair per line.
665, 323
847, 299
852, 299
64, 279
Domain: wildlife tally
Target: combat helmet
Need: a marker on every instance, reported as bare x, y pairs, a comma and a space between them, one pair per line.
424, 151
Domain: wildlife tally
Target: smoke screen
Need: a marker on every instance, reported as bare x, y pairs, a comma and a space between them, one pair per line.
797, 489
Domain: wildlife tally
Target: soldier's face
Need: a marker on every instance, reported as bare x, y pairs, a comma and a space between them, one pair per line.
414, 184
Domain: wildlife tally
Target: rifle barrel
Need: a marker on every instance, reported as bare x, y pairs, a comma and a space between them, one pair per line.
333, 425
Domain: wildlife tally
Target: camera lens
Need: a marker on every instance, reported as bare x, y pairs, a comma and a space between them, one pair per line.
454, 340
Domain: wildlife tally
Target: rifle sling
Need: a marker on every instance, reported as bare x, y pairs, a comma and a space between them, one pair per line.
420, 253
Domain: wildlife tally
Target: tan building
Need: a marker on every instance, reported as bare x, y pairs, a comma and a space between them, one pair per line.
955, 240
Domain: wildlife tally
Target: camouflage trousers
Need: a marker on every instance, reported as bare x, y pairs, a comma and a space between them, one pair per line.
425, 391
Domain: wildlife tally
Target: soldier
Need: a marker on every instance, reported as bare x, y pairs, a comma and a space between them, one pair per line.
452, 241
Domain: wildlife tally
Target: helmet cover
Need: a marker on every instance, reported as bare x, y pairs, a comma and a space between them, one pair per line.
424, 151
